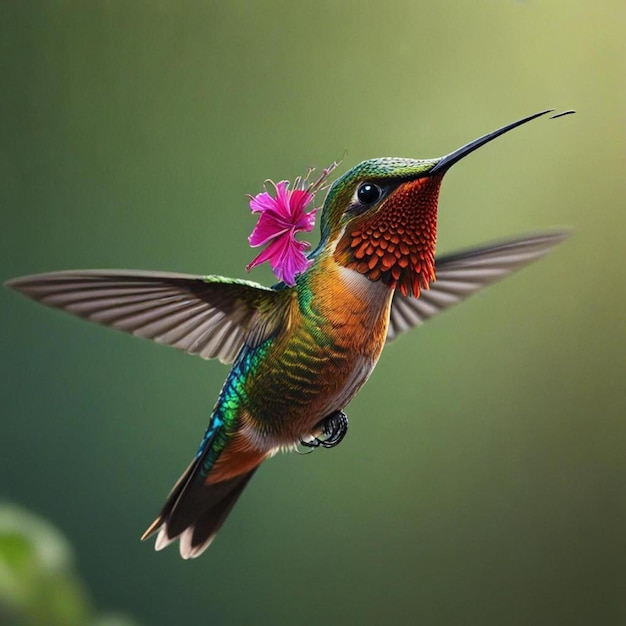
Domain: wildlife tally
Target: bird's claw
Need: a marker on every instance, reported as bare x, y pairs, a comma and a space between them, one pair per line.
334, 428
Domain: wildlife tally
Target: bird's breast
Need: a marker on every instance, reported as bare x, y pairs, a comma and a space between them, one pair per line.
336, 332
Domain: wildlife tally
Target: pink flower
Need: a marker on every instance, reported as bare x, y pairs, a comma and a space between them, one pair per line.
282, 217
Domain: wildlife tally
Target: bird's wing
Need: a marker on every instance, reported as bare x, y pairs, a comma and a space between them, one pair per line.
206, 315
462, 274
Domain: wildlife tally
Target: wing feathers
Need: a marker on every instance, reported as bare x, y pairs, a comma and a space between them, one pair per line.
209, 316
463, 274
213, 316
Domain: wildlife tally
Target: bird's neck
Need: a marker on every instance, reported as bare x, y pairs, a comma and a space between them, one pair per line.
346, 296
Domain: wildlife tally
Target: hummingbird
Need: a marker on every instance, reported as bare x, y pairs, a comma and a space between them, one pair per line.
301, 349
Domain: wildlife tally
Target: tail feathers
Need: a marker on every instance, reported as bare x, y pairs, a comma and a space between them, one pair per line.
195, 511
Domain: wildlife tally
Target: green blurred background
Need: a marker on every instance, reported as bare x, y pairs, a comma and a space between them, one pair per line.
483, 478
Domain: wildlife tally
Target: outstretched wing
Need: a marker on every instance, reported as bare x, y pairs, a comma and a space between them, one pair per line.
205, 315
462, 274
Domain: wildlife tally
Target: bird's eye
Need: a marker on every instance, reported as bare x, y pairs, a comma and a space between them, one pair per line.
368, 193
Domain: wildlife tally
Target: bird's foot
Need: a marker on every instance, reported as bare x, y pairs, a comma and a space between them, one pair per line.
334, 428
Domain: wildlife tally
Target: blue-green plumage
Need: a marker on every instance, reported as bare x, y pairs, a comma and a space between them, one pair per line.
224, 419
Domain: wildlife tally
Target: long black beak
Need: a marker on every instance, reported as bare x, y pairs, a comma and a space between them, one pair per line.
449, 160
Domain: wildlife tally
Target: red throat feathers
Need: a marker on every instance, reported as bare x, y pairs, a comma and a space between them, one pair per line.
397, 243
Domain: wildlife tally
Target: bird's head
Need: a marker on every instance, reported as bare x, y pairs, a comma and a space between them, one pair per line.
380, 218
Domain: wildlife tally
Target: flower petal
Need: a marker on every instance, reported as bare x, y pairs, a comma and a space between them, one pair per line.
282, 216
262, 202
282, 197
272, 251
267, 228
306, 221
298, 201
289, 259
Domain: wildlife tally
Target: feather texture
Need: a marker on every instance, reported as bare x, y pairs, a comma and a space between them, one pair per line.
460, 275
210, 316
